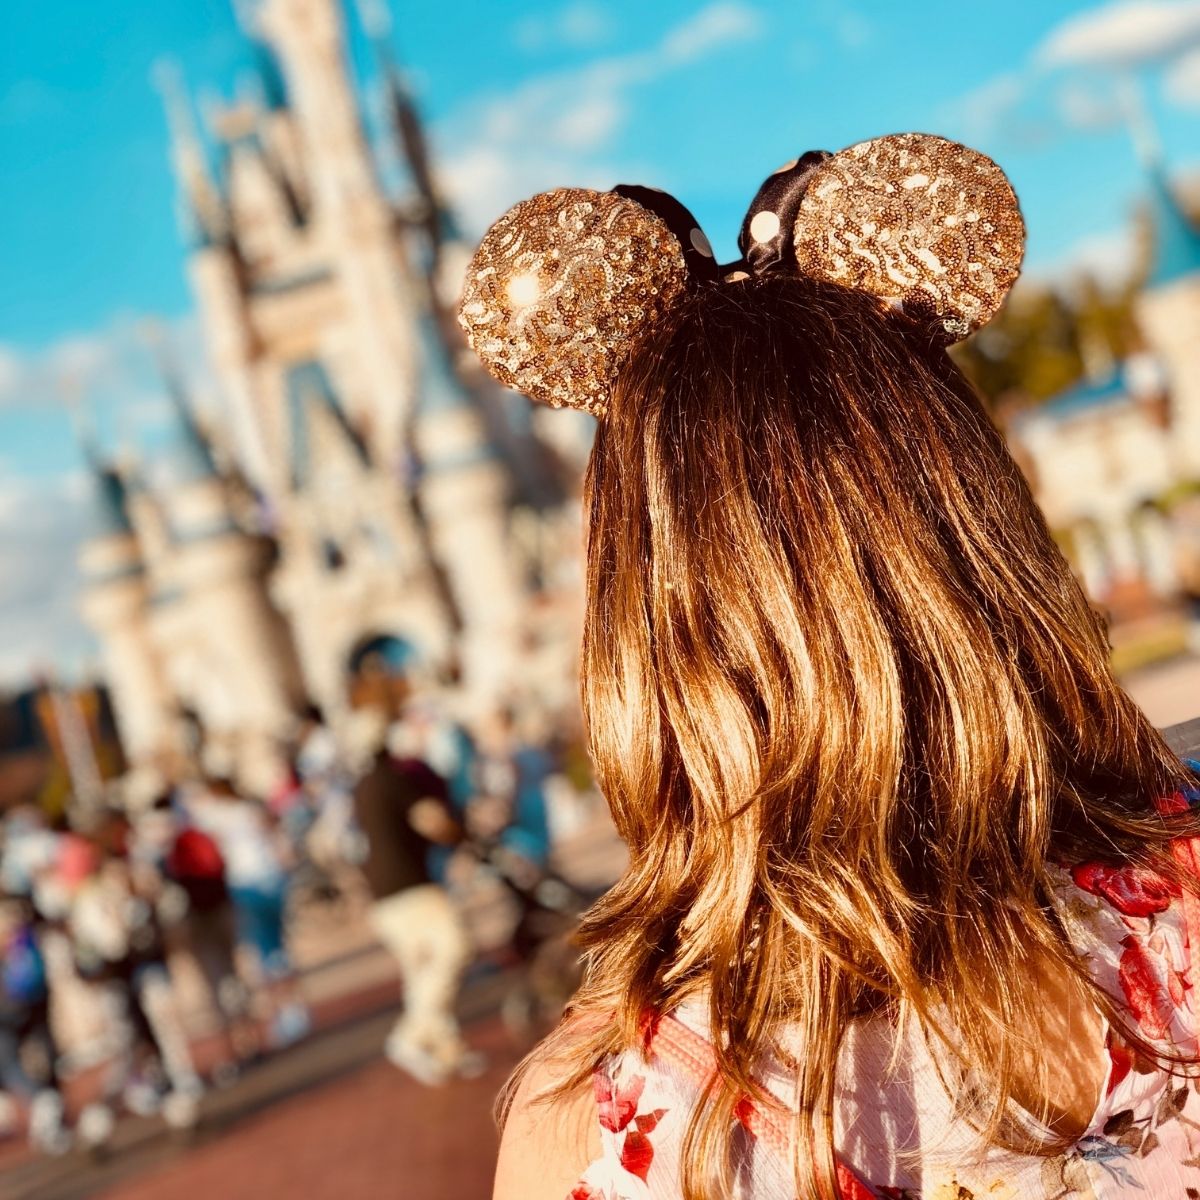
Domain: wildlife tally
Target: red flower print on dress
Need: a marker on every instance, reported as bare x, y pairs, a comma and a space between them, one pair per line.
1131, 890
1154, 985
617, 1104
637, 1154
617, 1108
585, 1191
1122, 1062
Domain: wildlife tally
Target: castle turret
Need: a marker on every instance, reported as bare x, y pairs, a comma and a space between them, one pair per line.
311, 285
201, 208
115, 602
279, 133
1168, 311
216, 273
214, 619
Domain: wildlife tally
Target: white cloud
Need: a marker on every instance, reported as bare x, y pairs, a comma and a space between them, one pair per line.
1182, 81
11, 374
1078, 71
591, 122
710, 29
486, 179
556, 128
42, 526
110, 373
1089, 108
79, 362
1123, 34
577, 26
988, 105
1002, 110
1109, 258
66, 370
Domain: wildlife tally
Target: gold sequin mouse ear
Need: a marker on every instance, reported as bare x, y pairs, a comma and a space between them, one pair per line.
924, 223
564, 284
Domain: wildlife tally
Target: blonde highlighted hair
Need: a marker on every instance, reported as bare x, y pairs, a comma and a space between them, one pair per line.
846, 701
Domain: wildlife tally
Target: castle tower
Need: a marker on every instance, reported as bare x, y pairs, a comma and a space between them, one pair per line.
325, 319
464, 495
350, 216
228, 653
115, 602
214, 268
1168, 311
352, 562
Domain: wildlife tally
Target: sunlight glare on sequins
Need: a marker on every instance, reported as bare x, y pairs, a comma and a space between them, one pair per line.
524, 289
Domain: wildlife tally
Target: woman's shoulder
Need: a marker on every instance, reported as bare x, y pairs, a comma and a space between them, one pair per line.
617, 1133
550, 1136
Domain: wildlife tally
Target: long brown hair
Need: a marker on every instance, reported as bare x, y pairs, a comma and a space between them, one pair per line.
845, 699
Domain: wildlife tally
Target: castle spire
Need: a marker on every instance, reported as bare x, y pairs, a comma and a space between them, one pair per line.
112, 499
201, 208
196, 454
270, 76
267, 68
1175, 239
434, 216
108, 484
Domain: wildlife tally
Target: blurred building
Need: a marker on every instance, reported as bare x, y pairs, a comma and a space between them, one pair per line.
1115, 460
354, 509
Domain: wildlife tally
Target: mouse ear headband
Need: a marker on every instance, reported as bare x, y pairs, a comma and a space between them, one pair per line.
565, 284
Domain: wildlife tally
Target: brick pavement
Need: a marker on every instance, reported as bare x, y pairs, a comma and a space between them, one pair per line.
372, 1133
328, 1119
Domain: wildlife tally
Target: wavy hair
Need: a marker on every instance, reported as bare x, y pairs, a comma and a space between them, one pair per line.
848, 706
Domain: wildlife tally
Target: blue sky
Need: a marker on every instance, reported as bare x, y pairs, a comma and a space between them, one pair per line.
701, 96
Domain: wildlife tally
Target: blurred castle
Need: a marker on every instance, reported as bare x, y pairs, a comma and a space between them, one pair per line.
1115, 460
356, 512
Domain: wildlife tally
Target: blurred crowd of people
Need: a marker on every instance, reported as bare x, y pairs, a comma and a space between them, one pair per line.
388, 817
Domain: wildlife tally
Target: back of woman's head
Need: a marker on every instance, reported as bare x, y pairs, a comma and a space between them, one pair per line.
821, 592
845, 698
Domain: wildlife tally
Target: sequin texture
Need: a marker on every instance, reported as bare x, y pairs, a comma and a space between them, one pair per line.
918, 221
562, 287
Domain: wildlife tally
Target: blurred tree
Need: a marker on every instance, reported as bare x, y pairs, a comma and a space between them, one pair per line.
1029, 353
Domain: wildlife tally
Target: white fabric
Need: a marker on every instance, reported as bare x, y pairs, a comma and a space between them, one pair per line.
898, 1129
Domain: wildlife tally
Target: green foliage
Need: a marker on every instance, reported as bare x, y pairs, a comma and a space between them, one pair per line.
1045, 341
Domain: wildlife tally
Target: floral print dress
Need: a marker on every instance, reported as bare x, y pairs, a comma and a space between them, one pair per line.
1143, 1140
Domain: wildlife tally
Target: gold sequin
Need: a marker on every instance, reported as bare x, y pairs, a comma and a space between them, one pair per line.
561, 288
916, 220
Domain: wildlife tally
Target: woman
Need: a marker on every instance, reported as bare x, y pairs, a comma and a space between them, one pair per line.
906, 910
